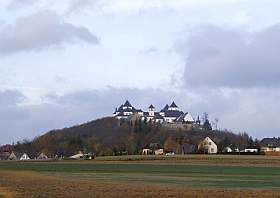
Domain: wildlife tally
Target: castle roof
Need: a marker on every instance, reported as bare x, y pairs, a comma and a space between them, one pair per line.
173, 105
173, 113
165, 108
158, 116
185, 117
151, 106
127, 104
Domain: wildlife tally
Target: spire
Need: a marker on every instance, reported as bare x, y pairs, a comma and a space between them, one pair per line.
173, 105
198, 119
127, 104
151, 106
165, 108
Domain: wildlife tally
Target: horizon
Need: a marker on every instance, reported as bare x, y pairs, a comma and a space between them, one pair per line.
68, 62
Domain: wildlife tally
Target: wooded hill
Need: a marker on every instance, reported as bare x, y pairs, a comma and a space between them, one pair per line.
109, 136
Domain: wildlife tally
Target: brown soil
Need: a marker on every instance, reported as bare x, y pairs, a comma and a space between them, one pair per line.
31, 184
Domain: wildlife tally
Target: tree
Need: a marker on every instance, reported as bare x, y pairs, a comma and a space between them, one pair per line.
207, 126
216, 123
131, 144
170, 144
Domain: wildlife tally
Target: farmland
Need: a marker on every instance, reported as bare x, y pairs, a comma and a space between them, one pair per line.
138, 176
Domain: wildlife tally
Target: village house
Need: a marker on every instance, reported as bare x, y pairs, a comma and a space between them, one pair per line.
208, 146
12, 157
42, 156
270, 146
24, 157
171, 116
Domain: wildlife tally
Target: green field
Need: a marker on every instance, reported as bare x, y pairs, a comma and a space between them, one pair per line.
183, 173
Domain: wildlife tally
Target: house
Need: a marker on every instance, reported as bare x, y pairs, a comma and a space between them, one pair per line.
270, 146
270, 149
147, 151
208, 146
227, 150
24, 157
77, 156
274, 151
170, 114
159, 152
12, 157
270, 142
249, 150
42, 156
81, 156
6, 148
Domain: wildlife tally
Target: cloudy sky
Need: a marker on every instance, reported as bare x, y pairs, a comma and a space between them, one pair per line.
70, 61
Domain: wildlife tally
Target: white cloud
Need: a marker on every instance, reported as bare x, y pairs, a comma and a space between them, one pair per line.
39, 31
15, 4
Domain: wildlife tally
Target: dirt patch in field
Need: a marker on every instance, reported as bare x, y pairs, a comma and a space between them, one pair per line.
6, 193
31, 184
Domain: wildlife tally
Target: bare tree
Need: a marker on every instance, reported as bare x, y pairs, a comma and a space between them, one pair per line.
216, 123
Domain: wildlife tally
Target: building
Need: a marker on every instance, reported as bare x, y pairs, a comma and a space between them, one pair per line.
270, 146
208, 146
12, 156
24, 157
42, 156
227, 150
170, 115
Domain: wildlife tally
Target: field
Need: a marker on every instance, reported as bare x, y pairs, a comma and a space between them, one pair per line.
144, 176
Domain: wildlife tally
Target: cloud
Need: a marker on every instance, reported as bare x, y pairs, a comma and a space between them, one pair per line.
151, 50
216, 57
10, 98
79, 5
41, 30
234, 76
253, 111
15, 4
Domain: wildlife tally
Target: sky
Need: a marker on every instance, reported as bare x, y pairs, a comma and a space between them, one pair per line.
71, 61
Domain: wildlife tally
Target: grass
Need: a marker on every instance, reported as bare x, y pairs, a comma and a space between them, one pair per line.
124, 177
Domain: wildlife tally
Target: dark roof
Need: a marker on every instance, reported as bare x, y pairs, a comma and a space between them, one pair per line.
173, 113
120, 108
165, 108
270, 142
146, 113
173, 105
127, 104
151, 106
181, 118
158, 116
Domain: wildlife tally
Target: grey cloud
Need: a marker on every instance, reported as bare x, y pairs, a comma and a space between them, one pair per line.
255, 111
10, 98
40, 31
225, 58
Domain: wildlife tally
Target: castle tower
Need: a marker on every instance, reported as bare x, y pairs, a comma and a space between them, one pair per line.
173, 107
151, 110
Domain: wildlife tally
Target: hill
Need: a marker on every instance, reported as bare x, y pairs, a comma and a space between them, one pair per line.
109, 136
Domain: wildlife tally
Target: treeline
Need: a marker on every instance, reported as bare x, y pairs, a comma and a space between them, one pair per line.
109, 136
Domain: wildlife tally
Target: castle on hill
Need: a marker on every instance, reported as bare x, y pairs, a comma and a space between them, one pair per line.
170, 115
